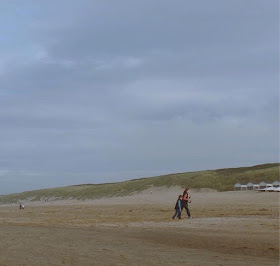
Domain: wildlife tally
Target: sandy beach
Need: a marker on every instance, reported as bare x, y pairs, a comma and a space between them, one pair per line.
228, 228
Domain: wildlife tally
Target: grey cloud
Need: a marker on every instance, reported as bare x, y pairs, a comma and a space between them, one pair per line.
146, 26
105, 91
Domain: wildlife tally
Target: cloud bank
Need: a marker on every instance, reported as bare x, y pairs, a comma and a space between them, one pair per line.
95, 91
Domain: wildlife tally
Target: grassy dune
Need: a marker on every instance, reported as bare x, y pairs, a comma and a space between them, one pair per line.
221, 180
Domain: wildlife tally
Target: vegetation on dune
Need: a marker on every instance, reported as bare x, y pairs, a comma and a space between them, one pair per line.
221, 180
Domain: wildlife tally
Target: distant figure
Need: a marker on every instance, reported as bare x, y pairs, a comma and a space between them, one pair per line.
185, 201
177, 208
151, 192
20, 206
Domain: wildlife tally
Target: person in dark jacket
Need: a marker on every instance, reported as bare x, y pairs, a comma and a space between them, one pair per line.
185, 201
178, 208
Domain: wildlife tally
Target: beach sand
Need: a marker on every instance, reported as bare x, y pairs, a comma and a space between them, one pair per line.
228, 228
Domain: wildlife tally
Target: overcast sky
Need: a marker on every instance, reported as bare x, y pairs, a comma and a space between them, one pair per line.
104, 91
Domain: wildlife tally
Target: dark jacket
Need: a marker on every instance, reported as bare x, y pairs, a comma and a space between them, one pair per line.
178, 205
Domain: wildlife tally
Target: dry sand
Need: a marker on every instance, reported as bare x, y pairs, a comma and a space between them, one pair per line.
228, 228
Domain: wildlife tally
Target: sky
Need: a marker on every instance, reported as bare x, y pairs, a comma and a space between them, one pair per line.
106, 91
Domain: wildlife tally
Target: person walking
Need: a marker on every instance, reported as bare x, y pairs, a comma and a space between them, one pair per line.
185, 201
177, 208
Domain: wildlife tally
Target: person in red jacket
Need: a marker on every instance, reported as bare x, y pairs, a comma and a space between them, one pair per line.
185, 201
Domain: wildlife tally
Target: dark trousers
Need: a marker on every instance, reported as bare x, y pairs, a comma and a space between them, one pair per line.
185, 205
177, 213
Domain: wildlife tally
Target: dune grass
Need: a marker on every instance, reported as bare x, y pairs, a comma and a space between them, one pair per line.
221, 180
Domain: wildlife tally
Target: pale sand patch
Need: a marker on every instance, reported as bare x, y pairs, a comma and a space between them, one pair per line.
164, 195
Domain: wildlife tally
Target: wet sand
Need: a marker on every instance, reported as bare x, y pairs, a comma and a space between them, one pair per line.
228, 228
